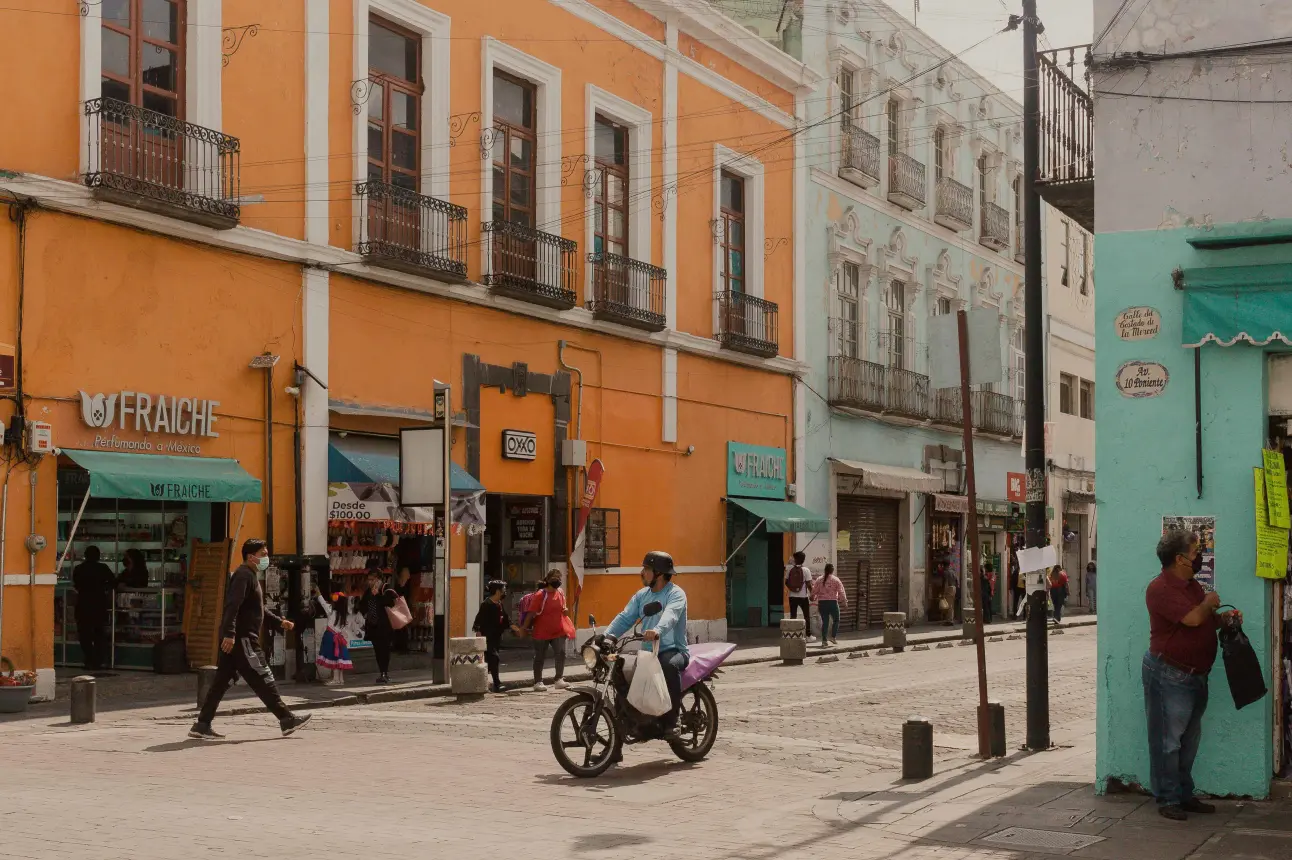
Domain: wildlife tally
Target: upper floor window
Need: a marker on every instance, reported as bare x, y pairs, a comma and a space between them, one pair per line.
985, 194
143, 54
1087, 400
1066, 256
939, 152
1018, 356
943, 307
1018, 200
733, 232
1066, 384
894, 127
610, 213
849, 290
846, 98
1083, 265
514, 149
394, 105
895, 303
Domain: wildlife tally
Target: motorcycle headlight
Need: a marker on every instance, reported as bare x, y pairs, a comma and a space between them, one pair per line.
590, 656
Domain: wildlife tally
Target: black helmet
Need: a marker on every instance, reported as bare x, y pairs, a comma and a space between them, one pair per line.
660, 562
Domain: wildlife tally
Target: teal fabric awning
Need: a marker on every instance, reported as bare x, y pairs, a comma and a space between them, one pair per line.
366, 460
1226, 305
162, 477
783, 516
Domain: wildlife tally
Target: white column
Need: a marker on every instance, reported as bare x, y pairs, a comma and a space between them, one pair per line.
668, 432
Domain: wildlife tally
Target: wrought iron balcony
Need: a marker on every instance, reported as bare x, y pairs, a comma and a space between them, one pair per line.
530, 265
628, 292
1020, 418
747, 323
907, 186
861, 384
1067, 132
152, 161
993, 412
411, 232
948, 408
995, 227
860, 162
954, 208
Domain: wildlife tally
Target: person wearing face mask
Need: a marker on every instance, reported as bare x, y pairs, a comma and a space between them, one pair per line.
547, 626
244, 614
1182, 648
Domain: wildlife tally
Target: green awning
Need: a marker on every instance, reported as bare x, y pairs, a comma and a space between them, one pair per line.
784, 516
162, 477
1226, 305
366, 460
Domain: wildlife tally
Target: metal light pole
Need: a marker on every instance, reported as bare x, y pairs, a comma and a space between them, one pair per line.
1038, 669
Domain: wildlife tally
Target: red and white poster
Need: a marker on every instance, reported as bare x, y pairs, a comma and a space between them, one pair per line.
591, 483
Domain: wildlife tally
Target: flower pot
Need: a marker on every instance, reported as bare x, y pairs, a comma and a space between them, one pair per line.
13, 700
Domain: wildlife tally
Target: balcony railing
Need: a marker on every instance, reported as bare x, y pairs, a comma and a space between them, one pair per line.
411, 232
993, 412
530, 265
860, 158
628, 292
1067, 133
995, 227
955, 204
747, 323
1020, 418
152, 161
861, 384
948, 408
907, 186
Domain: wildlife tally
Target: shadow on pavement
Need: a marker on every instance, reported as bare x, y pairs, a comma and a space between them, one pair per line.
616, 777
606, 842
193, 743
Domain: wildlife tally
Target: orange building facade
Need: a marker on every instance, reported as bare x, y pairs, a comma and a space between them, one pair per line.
579, 216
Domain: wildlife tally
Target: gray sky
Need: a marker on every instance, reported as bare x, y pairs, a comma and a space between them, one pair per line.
957, 24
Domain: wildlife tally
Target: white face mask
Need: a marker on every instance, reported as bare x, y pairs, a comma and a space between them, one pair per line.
262, 563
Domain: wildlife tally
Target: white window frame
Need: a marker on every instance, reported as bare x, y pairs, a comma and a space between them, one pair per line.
640, 123
751, 170
435, 29
203, 57
1065, 267
546, 78
1017, 360
851, 258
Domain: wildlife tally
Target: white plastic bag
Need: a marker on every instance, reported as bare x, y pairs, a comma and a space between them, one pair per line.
648, 693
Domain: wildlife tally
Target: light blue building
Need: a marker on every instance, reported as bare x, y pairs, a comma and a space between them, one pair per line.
911, 212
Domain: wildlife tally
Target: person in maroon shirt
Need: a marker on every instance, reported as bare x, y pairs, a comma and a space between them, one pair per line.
1182, 648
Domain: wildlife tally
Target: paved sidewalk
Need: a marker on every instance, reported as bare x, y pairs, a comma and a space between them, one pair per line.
165, 695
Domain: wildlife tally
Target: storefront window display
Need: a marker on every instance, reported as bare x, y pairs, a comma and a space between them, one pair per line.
945, 578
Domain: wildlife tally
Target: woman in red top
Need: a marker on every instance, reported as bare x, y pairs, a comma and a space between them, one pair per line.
547, 626
1058, 591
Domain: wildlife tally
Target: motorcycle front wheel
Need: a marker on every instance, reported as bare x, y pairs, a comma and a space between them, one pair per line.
584, 736
698, 724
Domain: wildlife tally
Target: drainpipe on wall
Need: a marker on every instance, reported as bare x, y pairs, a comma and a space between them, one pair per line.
31, 578
4, 521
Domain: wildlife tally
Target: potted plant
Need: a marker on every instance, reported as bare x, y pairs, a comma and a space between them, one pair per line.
16, 688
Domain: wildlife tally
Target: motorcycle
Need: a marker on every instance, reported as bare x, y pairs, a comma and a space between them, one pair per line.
590, 729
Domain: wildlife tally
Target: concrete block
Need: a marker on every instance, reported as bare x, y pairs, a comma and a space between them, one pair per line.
895, 630
917, 749
468, 673
83, 699
828, 658
946, 644
793, 640
920, 648
883, 652
857, 655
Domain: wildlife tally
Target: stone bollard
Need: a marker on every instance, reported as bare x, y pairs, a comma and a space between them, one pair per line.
793, 641
83, 705
917, 749
205, 679
468, 672
996, 723
969, 627
895, 630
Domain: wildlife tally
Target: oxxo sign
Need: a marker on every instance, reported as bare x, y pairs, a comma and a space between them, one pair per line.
754, 471
149, 413
519, 445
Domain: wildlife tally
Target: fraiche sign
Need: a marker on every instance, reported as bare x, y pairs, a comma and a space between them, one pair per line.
150, 413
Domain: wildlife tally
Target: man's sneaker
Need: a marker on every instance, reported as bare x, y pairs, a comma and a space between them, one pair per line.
1175, 813
292, 723
540, 687
383, 679
561, 684
204, 732
1197, 806
498, 689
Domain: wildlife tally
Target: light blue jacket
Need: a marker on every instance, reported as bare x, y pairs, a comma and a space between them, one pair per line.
670, 621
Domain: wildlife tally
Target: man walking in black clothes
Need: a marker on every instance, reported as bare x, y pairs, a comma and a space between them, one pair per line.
240, 654
95, 596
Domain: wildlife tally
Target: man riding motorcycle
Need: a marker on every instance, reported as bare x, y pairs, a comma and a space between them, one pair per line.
665, 631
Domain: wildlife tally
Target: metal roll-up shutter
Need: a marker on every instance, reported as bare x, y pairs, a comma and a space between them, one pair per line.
868, 567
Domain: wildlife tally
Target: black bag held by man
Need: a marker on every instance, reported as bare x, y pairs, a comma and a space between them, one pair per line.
1242, 668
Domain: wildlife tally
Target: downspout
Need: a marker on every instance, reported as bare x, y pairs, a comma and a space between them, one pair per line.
4, 520
31, 577
578, 474
269, 458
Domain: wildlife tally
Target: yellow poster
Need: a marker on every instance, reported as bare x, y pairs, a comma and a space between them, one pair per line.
1276, 489
1271, 541
843, 541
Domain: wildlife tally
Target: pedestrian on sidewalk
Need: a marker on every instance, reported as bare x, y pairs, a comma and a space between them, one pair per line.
547, 626
1058, 591
950, 594
1182, 649
334, 647
240, 654
1090, 584
830, 596
376, 599
95, 596
491, 622
798, 584
988, 591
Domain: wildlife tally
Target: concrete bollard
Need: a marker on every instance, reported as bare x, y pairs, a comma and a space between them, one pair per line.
83, 704
468, 672
895, 630
917, 748
996, 724
793, 641
205, 680
969, 626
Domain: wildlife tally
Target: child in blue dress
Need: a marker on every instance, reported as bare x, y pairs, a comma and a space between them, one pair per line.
334, 648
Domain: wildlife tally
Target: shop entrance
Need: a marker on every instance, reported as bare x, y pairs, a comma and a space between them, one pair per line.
516, 542
748, 583
1075, 540
869, 566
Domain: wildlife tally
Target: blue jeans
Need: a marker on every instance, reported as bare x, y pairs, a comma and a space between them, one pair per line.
674, 663
1174, 702
829, 610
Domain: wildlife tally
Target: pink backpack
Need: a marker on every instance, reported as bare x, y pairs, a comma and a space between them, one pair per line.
527, 607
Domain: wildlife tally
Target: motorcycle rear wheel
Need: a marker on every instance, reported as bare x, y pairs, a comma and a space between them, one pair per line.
698, 722
584, 736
